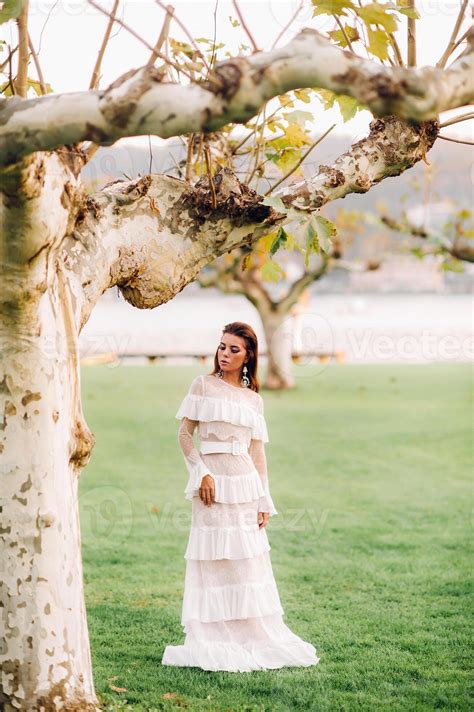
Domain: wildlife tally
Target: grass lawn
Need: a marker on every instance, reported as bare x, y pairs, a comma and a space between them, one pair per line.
370, 470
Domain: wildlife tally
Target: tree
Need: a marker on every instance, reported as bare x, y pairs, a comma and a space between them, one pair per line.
61, 248
248, 272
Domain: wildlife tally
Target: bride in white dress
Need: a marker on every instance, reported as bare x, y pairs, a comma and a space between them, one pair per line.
231, 614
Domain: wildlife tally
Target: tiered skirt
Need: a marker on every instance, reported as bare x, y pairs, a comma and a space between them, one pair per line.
232, 614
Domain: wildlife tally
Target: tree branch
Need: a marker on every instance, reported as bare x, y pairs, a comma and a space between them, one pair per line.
457, 119
462, 248
153, 235
288, 24
138, 37
452, 41
37, 66
162, 36
411, 37
21, 84
141, 103
392, 146
96, 73
299, 285
456, 140
245, 26
170, 10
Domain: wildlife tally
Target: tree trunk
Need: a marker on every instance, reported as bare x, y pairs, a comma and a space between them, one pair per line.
44, 444
278, 329
45, 642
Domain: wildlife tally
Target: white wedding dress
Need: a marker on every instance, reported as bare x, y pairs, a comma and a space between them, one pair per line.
231, 613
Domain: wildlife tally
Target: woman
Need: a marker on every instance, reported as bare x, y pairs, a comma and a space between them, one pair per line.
231, 613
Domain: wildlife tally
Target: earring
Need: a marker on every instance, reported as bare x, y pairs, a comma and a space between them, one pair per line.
245, 381
220, 373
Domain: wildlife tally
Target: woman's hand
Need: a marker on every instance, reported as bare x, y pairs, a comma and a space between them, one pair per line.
262, 519
207, 490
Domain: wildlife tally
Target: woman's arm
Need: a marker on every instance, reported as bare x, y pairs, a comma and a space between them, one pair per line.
257, 453
200, 481
196, 467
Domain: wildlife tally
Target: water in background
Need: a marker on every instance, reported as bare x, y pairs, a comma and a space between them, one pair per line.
359, 328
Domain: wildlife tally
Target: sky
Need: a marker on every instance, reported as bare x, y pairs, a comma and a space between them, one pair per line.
68, 34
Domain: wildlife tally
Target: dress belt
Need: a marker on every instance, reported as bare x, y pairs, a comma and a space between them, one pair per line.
235, 447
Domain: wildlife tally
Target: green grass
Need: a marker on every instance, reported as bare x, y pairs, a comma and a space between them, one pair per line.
369, 468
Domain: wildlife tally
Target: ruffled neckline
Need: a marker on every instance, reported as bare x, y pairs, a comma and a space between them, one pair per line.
221, 380
207, 408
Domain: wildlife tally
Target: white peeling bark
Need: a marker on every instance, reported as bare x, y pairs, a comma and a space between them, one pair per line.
391, 147
44, 443
152, 236
141, 103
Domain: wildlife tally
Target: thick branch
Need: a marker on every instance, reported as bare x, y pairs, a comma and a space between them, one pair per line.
141, 103
153, 235
392, 146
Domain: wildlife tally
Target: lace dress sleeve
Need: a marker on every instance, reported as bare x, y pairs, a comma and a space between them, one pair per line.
257, 453
194, 463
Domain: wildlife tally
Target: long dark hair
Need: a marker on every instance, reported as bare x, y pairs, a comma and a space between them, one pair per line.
245, 331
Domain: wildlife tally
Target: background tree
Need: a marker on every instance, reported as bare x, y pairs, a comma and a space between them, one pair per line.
276, 296
61, 248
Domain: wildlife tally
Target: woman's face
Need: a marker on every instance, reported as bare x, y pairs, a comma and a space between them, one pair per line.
231, 353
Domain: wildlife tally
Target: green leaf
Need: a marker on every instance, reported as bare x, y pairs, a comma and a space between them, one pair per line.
298, 117
332, 7
378, 43
325, 229
402, 7
10, 10
295, 136
376, 14
409, 12
287, 159
452, 265
274, 202
34, 83
340, 39
234, 23
312, 243
417, 252
303, 95
348, 106
6, 89
271, 271
327, 96
285, 100
183, 47
279, 240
